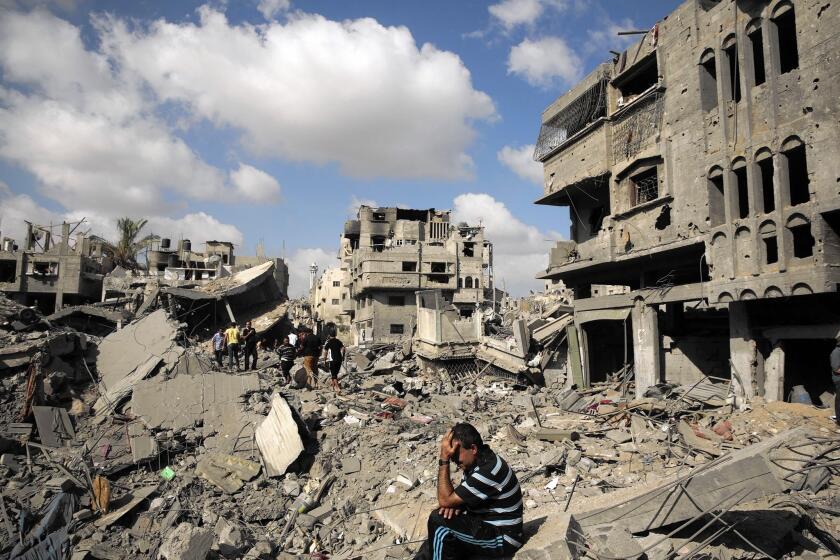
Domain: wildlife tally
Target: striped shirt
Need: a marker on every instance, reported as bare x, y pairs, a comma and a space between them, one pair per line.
491, 491
287, 353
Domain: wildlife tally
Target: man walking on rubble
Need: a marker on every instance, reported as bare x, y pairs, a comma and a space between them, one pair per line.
483, 515
219, 346
835, 376
232, 342
287, 358
310, 350
334, 356
249, 338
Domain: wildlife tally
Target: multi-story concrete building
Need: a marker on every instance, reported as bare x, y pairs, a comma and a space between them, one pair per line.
393, 252
701, 168
330, 294
51, 273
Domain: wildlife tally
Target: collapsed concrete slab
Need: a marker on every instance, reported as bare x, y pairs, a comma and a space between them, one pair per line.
278, 438
745, 475
181, 402
132, 353
228, 472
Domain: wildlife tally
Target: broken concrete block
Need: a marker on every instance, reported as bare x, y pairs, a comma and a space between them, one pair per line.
351, 465
618, 436
54, 426
228, 472
615, 542
186, 542
229, 539
278, 438
558, 537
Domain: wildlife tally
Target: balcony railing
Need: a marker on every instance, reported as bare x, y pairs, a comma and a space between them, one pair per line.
585, 109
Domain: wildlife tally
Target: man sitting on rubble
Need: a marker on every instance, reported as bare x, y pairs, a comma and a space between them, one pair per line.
483, 515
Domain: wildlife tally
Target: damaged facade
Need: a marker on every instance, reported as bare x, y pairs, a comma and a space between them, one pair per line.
330, 296
393, 252
701, 170
48, 272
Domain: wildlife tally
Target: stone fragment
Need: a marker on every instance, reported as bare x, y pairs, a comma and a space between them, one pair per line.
186, 542
278, 438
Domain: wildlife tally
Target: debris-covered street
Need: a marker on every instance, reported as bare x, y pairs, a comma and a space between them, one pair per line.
163, 454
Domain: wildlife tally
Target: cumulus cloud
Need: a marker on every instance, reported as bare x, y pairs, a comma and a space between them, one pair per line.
91, 136
543, 62
356, 203
255, 184
355, 93
15, 209
606, 37
270, 8
520, 250
521, 161
299, 263
511, 13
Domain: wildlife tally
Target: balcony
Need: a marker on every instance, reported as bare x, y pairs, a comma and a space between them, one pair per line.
584, 159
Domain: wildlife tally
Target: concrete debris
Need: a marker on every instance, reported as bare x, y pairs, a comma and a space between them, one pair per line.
168, 454
278, 438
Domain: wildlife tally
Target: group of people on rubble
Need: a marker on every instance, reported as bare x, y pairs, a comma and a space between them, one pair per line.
234, 341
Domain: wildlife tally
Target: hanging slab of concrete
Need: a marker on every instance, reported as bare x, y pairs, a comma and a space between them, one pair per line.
181, 402
131, 354
227, 428
278, 438
748, 472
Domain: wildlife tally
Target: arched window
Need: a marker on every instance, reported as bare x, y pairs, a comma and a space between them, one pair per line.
741, 186
795, 164
784, 29
764, 171
756, 51
733, 71
717, 200
708, 80
468, 283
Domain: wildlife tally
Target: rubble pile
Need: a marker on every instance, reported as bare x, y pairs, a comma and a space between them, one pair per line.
136, 445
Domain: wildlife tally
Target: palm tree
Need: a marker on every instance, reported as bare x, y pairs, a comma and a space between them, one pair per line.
124, 252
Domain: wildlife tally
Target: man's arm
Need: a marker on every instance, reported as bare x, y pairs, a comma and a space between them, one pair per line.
447, 498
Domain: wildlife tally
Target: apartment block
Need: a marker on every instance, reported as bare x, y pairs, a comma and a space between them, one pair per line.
701, 171
391, 253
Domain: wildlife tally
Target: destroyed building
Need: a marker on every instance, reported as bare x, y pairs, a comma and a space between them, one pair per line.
180, 266
49, 271
393, 252
700, 168
330, 296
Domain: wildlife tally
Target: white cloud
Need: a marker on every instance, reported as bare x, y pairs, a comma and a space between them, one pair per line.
299, 263
93, 139
605, 37
543, 62
520, 250
521, 161
355, 93
356, 202
15, 209
270, 8
511, 13
254, 184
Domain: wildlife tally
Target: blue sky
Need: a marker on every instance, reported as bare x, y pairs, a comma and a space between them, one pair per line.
270, 120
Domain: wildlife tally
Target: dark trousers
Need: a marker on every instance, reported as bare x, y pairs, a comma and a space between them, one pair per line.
219, 354
251, 350
233, 354
836, 379
461, 537
335, 367
286, 368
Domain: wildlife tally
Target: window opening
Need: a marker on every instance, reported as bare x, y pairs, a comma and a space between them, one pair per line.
757, 42
768, 198
8, 270
717, 205
468, 283
379, 216
378, 243
469, 249
439, 267
797, 167
336, 283
645, 186
397, 329
466, 312
438, 278
771, 249
638, 79
335, 302
803, 241
785, 24
409, 266
731, 54
743, 190
396, 300
708, 82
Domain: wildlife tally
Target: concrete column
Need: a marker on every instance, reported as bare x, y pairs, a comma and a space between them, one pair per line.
742, 350
646, 346
774, 374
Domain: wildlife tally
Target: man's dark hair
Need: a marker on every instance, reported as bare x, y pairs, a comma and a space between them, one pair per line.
467, 435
